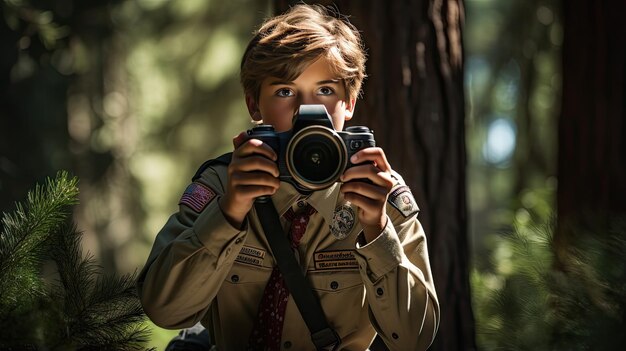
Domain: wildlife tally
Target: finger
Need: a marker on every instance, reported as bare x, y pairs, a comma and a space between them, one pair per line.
364, 203
370, 172
364, 189
239, 139
255, 146
372, 154
255, 163
254, 179
254, 191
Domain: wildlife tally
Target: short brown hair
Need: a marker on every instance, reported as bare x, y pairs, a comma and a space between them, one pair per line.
286, 44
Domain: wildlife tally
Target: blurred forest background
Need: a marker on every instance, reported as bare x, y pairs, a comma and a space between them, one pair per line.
132, 96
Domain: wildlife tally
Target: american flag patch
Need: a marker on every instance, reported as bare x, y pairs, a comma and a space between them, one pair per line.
197, 196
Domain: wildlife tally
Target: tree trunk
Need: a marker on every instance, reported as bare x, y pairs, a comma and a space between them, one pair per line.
413, 100
592, 130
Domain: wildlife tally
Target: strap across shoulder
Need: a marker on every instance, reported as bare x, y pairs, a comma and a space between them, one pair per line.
222, 160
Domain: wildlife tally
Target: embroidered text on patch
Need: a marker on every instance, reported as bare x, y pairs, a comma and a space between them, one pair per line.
251, 255
339, 260
197, 196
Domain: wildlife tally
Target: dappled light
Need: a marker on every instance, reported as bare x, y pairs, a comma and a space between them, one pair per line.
500, 143
512, 87
152, 92
131, 97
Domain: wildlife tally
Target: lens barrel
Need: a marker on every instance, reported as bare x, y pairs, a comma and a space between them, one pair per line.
316, 157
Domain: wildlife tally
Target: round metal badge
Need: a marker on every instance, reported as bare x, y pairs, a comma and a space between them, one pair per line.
343, 221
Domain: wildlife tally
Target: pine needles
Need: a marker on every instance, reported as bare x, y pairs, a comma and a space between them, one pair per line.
589, 294
83, 309
532, 303
24, 239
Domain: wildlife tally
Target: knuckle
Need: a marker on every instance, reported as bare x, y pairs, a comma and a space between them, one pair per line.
355, 186
388, 183
255, 163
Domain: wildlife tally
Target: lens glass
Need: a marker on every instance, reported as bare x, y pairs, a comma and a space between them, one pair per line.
316, 158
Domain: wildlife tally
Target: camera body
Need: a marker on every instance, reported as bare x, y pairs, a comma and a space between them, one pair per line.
312, 155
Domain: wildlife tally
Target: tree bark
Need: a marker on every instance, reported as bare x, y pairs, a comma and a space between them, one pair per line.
413, 100
592, 130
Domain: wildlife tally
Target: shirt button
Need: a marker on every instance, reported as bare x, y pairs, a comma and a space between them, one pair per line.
379, 291
301, 203
238, 240
334, 285
234, 278
394, 335
287, 344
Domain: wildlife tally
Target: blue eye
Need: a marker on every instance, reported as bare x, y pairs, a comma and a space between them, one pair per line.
326, 91
284, 92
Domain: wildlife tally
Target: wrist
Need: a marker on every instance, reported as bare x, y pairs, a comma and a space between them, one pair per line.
234, 212
372, 231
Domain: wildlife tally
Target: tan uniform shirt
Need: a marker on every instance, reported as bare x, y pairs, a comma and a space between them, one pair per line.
203, 269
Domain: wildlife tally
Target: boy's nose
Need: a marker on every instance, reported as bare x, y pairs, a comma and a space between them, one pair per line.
308, 100
304, 100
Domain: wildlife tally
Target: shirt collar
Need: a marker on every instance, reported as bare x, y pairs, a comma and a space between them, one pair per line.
324, 201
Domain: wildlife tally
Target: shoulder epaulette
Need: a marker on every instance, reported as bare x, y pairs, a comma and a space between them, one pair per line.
222, 160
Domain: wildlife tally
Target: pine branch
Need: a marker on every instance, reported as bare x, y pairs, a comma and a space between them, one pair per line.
579, 307
100, 311
85, 309
590, 296
76, 272
24, 239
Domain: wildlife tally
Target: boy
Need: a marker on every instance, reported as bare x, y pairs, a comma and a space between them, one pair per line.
358, 242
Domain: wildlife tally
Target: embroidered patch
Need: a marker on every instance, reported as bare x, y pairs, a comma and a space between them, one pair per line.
249, 260
251, 255
343, 221
252, 251
197, 196
402, 199
340, 259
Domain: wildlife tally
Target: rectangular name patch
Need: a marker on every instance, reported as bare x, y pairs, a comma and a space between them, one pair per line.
339, 260
251, 255
252, 251
197, 196
249, 260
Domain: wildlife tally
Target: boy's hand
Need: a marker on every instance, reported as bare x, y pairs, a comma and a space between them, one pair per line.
370, 198
251, 173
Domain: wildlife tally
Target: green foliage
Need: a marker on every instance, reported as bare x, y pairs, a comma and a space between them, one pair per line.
532, 301
511, 302
589, 292
20, 15
24, 240
82, 308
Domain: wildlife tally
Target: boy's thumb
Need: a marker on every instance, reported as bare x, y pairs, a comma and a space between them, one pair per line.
240, 139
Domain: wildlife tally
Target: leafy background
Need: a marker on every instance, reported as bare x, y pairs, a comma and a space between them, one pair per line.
132, 96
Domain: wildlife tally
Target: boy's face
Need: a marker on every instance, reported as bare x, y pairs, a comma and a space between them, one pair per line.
279, 100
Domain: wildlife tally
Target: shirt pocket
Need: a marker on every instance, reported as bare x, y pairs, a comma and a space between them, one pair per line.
237, 302
342, 296
242, 289
244, 274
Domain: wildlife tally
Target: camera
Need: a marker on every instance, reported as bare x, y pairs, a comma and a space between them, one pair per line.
312, 155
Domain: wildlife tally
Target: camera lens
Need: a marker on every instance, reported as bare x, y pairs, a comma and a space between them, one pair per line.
316, 157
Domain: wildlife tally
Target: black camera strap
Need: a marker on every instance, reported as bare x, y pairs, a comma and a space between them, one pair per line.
322, 335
